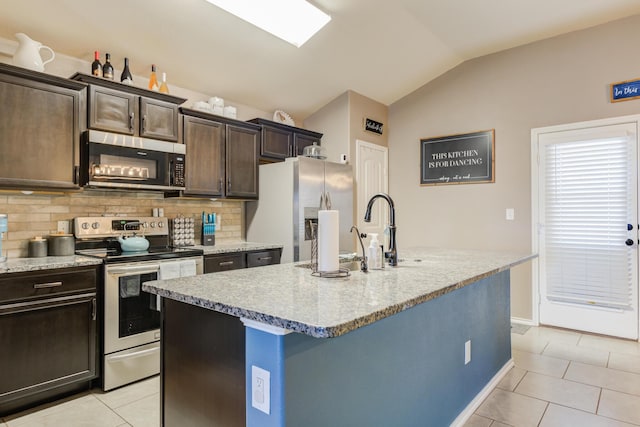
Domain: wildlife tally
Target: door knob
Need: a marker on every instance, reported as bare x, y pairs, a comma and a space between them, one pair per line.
629, 242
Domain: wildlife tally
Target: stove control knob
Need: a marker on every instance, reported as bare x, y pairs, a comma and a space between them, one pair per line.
160, 224
145, 225
95, 225
153, 224
85, 225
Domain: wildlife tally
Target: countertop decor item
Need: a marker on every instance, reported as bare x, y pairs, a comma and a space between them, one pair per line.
28, 53
61, 245
37, 247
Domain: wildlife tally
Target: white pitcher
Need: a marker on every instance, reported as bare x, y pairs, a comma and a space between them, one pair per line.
28, 53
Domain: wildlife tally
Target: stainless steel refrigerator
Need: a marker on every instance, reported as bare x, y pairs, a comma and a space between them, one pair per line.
290, 193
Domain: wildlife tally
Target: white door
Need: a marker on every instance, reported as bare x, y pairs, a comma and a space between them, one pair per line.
587, 225
371, 178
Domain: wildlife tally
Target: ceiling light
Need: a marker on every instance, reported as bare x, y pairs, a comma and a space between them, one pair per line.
294, 21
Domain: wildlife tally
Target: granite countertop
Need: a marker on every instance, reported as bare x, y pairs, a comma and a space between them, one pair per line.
21, 265
288, 296
230, 247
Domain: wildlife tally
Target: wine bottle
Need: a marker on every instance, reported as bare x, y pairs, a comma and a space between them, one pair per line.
163, 87
126, 76
96, 66
153, 80
107, 68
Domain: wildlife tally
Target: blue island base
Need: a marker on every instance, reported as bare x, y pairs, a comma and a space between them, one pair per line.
405, 370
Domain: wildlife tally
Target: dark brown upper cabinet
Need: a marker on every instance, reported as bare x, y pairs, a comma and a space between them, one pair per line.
222, 156
41, 118
280, 141
130, 110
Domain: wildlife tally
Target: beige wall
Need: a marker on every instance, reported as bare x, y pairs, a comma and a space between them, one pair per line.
332, 121
560, 80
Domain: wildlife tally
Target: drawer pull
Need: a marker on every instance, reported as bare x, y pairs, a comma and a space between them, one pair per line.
265, 258
225, 263
47, 285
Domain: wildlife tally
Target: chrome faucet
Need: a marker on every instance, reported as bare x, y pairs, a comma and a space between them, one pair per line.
392, 254
363, 261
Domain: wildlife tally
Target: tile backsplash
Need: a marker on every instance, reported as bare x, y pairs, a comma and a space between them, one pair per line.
38, 214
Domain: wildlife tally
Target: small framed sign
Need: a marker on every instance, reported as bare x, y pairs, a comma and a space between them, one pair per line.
373, 126
624, 91
458, 159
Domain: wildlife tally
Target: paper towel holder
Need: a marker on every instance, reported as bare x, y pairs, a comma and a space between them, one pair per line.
342, 272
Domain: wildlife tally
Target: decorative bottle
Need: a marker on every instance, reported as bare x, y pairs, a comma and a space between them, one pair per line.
153, 80
107, 68
163, 87
126, 76
96, 66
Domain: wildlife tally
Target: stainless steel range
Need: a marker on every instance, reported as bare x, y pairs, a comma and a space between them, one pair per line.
131, 317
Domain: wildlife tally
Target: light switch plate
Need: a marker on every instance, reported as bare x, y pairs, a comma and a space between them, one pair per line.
510, 214
260, 389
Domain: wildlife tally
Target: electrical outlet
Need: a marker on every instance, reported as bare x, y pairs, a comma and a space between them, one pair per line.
467, 352
63, 227
260, 389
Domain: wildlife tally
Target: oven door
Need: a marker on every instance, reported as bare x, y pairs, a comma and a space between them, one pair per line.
131, 318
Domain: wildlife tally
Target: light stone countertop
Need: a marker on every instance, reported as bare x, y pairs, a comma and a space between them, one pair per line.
21, 265
289, 297
230, 247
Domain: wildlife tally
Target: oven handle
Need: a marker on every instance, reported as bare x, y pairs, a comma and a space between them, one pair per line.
141, 353
140, 269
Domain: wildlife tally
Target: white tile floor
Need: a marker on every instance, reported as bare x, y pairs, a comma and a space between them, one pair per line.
561, 379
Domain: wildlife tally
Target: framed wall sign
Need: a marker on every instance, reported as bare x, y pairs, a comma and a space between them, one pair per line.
373, 126
624, 91
458, 159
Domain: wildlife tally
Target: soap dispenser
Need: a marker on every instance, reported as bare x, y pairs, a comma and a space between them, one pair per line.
374, 252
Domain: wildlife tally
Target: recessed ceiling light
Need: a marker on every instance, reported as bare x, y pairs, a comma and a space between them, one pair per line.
294, 21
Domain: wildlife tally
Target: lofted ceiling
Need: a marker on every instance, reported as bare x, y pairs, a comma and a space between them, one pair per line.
379, 48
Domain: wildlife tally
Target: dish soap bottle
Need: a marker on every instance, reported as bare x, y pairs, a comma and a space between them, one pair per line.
374, 252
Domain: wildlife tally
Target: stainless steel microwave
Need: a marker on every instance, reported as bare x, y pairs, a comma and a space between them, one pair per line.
112, 160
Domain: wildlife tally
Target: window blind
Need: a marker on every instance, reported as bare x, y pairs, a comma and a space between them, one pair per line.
587, 208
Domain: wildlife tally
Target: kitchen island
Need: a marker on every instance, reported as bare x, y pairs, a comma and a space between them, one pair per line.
385, 347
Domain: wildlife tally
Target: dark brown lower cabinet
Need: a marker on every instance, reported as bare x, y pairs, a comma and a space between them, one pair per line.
234, 261
202, 373
202, 365
48, 336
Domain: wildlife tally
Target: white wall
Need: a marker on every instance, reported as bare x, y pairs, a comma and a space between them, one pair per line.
559, 80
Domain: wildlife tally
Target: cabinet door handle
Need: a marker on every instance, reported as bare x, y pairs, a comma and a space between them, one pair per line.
228, 185
221, 185
225, 263
47, 285
131, 117
144, 123
93, 309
